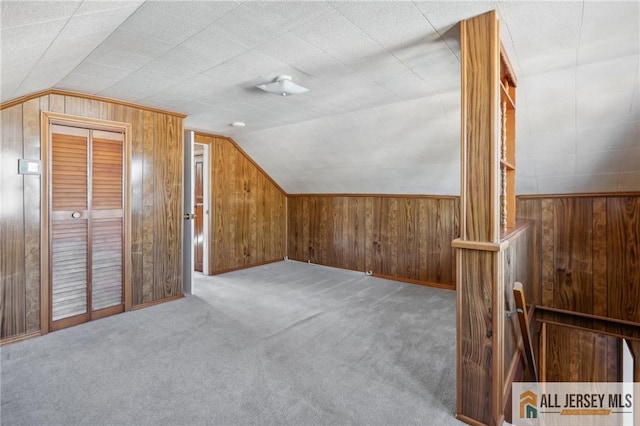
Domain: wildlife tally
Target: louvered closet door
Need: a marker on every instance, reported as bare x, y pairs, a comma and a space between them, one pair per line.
86, 213
69, 214
106, 221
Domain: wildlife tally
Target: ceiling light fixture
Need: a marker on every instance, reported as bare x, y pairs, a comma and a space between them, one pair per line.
238, 124
283, 85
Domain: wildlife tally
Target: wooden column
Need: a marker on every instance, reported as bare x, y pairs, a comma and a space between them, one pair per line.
480, 288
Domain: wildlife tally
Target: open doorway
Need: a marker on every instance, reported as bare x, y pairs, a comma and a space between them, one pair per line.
196, 210
200, 202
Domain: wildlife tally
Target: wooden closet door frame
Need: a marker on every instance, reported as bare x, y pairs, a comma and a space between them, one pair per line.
47, 119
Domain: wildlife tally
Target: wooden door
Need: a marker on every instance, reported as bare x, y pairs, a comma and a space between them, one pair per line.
87, 225
198, 238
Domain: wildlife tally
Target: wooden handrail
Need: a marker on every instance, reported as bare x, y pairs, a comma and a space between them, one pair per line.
523, 319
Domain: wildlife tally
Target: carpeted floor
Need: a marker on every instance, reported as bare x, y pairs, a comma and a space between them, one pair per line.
286, 343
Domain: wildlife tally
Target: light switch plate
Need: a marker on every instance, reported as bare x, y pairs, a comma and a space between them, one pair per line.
28, 167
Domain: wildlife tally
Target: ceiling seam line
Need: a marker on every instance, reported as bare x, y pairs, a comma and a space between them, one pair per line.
46, 50
101, 43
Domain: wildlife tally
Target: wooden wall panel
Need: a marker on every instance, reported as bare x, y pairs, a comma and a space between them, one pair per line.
167, 206
475, 334
518, 265
623, 260
31, 150
590, 251
84, 107
248, 210
401, 237
134, 116
573, 289
599, 232
156, 138
12, 240
148, 202
580, 356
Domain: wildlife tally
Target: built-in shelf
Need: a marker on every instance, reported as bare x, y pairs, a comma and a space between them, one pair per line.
507, 114
506, 96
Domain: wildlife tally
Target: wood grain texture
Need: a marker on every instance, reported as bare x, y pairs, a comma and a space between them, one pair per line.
590, 250
134, 116
84, 107
518, 265
32, 212
12, 242
57, 103
531, 210
248, 211
599, 232
548, 275
623, 258
148, 203
393, 236
21, 122
634, 346
480, 63
580, 356
573, 289
476, 334
168, 206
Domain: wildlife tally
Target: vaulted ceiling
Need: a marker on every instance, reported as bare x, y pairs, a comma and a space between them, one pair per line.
383, 111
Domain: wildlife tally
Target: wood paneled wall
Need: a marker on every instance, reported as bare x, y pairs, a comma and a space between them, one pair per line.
406, 238
590, 253
156, 206
579, 356
518, 264
248, 210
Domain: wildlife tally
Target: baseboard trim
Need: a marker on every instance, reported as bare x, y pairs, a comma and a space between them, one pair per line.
157, 302
416, 282
469, 420
238, 268
20, 338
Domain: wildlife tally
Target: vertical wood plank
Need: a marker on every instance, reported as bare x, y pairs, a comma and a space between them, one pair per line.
12, 244
573, 255
424, 236
368, 220
84, 107
481, 71
548, 272
476, 333
57, 103
148, 203
167, 208
532, 210
600, 303
31, 150
455, 233
393, 237
623, 258
580, 356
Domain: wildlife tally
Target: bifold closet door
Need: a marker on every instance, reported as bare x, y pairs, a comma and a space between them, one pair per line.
86, 214
69, 213
106, 221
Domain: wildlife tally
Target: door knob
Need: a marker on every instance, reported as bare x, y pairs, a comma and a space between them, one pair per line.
75, 215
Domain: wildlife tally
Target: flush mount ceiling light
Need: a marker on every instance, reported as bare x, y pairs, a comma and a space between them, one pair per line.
283, 85
238, 124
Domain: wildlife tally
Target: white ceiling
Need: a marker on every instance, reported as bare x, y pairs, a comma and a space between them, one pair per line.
383, 113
